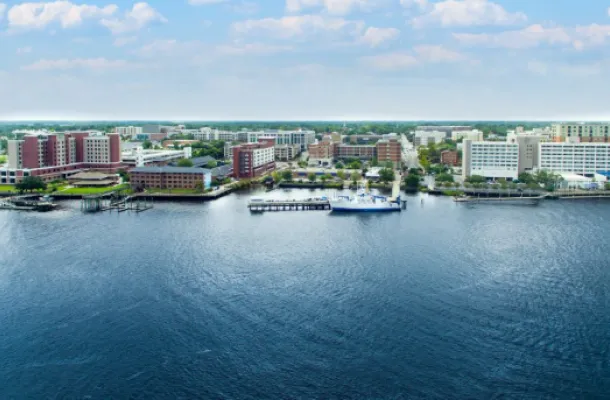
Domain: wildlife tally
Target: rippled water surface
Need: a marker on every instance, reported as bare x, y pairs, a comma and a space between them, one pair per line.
207, 301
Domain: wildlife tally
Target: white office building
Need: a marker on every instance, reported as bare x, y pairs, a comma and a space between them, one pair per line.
492, 160
131, 131
475, 135
425, 138
575, 158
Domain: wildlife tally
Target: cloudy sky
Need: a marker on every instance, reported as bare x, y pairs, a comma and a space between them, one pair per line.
305, 59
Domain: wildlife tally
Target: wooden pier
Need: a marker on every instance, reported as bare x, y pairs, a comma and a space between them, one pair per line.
288, 205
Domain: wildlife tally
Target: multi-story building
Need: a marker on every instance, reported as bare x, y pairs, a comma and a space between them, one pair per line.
52, 156
475, 135
131, 131
170, 178
138, 157
362, 152
321, 154
286, 152
389, 150
253, 159
490, 159
580, 133
425, 138
528, 150
577, 158
365, 139
301, 138
450, 157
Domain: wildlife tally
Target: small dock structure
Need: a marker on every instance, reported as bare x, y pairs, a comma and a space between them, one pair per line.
261, 205
115, 200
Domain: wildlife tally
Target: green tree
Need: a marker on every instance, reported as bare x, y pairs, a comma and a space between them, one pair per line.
311, 177
211, 164
276, 176
475, 179
526, 177
199, 187
147, 144
607, 186
386, 175
287, 175
341, 174
30, 183
176, 145
185, 162
412, 181
124, 175
444, 177
355, 177
374, 162
339, 165
355, 164
326, 177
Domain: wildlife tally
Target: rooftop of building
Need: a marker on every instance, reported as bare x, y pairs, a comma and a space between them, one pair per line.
171, 170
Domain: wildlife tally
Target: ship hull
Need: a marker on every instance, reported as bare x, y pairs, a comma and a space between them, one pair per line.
349, 209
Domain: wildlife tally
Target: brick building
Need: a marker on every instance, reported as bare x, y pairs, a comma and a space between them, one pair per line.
52, 156
253, 159
170, 178
389, 150
450, 157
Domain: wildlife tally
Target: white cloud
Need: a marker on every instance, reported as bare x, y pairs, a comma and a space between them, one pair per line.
467, 13
421, 4
78, 63
39, 15
532, 36
245, 7
123, 41
252, 48
204, 2
337, 7
24, 50
425, 54
301, 25
140, 15
376, 36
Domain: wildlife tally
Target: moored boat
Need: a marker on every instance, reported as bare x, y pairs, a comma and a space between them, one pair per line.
363, 202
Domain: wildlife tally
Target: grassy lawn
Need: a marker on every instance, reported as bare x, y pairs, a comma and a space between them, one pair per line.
93, 190
7, 188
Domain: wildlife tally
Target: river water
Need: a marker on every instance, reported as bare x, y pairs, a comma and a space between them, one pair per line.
206, 301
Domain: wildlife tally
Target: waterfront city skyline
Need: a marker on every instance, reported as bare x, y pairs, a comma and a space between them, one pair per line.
349, 60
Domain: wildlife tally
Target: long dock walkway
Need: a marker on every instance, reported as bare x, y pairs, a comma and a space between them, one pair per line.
288, 205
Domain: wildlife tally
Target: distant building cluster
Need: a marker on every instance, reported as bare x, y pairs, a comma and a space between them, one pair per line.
384, 148
573, 149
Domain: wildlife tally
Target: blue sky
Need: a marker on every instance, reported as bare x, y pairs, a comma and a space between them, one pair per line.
305, 59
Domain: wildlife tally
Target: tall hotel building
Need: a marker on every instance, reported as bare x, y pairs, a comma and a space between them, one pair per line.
253, 159
490, 159
576, 158
53, 156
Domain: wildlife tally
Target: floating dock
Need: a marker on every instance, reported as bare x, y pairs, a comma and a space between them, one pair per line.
500, 200
261, 205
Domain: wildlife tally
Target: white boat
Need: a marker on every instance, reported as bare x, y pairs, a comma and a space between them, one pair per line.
363, 202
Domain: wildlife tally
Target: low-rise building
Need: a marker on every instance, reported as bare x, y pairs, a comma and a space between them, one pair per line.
93, 179
321, 154
138, 157
131, 131
170, 178
286, 152
492, 160
450, 157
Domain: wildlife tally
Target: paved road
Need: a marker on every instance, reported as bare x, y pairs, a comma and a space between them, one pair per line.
409, 153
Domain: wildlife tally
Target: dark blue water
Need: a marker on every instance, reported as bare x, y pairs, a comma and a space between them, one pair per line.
207, 301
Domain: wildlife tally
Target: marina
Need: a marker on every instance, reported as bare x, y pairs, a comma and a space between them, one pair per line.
28, 203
